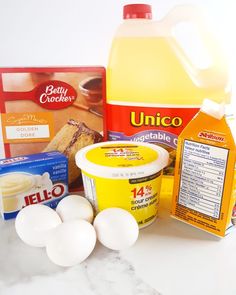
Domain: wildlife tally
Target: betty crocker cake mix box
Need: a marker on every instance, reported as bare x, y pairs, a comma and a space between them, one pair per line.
48, 109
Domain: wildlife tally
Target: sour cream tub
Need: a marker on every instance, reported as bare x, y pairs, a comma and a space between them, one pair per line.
124, 174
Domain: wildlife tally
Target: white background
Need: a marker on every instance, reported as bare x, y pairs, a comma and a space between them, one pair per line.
79, 32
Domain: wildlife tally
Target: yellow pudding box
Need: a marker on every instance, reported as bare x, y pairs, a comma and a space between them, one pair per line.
124, 174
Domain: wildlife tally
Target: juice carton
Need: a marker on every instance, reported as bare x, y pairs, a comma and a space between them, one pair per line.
205, 177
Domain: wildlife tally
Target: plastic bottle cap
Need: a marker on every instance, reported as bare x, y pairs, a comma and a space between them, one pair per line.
213, 109
109, 159
137, 11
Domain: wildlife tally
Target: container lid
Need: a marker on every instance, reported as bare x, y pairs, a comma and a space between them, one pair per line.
137, 11
122, 159
213, 109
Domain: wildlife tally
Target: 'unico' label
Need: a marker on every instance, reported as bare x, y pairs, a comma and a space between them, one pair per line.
160, 125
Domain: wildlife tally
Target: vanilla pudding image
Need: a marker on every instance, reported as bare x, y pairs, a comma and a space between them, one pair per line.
15, 186
11, 186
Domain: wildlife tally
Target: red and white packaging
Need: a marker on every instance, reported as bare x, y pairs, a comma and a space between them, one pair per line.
49, 108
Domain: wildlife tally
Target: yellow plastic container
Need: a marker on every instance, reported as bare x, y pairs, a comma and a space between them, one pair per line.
153, 88
124, 174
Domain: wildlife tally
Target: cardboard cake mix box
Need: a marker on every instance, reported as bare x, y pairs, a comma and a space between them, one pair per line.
48, 109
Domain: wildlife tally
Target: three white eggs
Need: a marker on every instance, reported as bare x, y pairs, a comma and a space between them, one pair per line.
67, 233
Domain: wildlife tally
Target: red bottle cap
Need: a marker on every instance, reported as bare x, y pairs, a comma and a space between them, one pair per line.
137, 11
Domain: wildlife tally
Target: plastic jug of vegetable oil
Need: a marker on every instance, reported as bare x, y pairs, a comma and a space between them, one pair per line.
153, 88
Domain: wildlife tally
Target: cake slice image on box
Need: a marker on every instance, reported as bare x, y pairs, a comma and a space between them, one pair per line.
71, 138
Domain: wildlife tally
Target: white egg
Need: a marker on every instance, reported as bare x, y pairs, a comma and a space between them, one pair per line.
71, 242
34, 224
116, 228
75, 207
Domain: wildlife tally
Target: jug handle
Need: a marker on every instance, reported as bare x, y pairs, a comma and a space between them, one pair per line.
217, 73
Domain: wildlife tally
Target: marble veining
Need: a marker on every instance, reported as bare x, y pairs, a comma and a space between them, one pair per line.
169, 258
27, 270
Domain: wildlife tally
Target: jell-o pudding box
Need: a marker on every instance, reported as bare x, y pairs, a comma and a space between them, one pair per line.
32, 179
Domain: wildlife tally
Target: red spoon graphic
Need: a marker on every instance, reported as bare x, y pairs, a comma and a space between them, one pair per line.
52, 95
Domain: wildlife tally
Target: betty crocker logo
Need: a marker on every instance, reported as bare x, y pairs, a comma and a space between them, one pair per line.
55, 95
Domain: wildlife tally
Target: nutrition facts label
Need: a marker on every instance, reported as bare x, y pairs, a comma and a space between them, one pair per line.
202, 177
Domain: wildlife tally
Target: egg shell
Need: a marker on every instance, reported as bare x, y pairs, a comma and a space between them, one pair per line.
35, 223
75, 207
116, 228
71, 243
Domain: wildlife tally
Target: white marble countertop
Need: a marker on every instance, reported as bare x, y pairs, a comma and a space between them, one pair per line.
170, 258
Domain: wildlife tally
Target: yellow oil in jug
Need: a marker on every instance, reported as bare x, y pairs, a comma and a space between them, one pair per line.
151, 93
